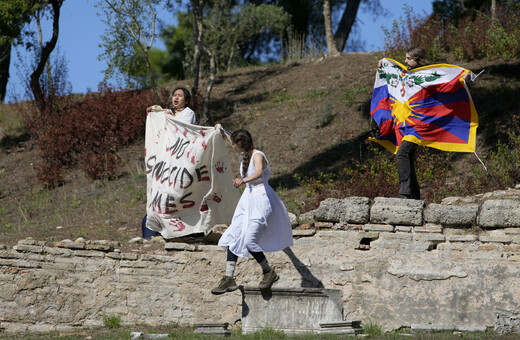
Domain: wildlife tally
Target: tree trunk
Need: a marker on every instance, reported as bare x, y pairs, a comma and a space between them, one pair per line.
212, 72
5, 62
493, 12
197, 7
331, 46
35, 85
345, 24
48, 69
152, 77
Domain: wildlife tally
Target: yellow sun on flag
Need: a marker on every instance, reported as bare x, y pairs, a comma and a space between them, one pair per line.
401, 113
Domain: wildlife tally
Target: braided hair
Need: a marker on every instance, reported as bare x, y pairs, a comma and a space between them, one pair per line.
243, 139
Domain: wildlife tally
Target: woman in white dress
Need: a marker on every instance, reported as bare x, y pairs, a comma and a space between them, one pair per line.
260, 222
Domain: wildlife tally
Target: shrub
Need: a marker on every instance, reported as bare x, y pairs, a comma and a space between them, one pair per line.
88, 132
112, 321
468, 38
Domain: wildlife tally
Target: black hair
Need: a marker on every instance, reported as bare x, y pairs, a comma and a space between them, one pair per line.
243, 139
187, 94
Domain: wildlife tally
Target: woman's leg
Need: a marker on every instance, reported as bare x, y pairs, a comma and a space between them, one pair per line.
231, 263
227, 283
262, 260
270, 275
408, 185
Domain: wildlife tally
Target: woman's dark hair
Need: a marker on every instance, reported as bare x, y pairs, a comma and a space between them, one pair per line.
187, 94
419, 55
243, 139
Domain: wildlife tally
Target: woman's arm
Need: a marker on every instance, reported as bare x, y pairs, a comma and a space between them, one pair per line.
258, 161
223, 132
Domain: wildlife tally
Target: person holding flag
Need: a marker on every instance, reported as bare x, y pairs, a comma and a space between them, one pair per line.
421, 104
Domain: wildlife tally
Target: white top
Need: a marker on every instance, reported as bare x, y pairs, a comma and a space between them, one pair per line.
186, 116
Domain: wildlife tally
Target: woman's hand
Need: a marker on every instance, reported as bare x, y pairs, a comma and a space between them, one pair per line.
219, 128
238, 182
380, 64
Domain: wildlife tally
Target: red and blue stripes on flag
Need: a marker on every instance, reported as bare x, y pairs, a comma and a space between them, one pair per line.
429, 106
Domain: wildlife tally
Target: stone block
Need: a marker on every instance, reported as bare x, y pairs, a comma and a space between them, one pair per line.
28, 248
70, 245
495, 239
428, 228
349, 210
209, 247
341, 327
30, 242
397, 211
500, 213
59, 251
430, 237
452, 215
396, 236
174, 246
321, 225
89, 253
512, 231
155, 257
437, 328
100, 247
403, 228
378, 227
303, 233
220, 329
462, 238
293, 311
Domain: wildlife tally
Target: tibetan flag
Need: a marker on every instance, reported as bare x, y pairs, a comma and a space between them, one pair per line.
429, 105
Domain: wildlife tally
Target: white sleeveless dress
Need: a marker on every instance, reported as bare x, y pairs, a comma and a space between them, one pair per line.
260, 222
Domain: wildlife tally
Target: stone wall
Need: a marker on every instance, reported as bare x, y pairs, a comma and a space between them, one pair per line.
397, 262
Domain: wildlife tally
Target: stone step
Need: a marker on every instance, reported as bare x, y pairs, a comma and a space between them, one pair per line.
295, 310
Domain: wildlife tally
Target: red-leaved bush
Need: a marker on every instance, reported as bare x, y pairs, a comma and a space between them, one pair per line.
88, 132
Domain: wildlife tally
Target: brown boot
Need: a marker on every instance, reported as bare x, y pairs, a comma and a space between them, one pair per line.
269, 278
226, 284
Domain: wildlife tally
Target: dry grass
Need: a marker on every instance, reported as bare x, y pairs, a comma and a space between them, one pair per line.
311, 118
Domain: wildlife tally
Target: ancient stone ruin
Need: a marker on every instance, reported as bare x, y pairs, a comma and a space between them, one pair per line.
397, 262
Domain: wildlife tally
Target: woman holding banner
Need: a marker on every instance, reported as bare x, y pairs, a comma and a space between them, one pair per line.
181, 98
260, 222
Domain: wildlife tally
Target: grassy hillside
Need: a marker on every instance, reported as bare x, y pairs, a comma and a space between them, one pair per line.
312, 120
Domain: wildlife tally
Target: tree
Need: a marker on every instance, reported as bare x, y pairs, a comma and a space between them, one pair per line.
14, 14
346, 23
47, 48
331, 45
455, 10
131, 29
198, 29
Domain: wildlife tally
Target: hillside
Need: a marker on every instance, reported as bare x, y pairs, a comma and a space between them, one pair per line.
311, 118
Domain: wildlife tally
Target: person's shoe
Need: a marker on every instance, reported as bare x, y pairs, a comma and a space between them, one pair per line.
269, 278
403, 196
226, 284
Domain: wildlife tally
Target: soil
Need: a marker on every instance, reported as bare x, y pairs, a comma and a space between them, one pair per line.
309, 117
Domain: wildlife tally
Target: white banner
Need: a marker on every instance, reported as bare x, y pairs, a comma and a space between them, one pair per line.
189, 178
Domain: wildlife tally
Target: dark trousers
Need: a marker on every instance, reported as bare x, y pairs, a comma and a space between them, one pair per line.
147, 233
408, 185
258, 256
